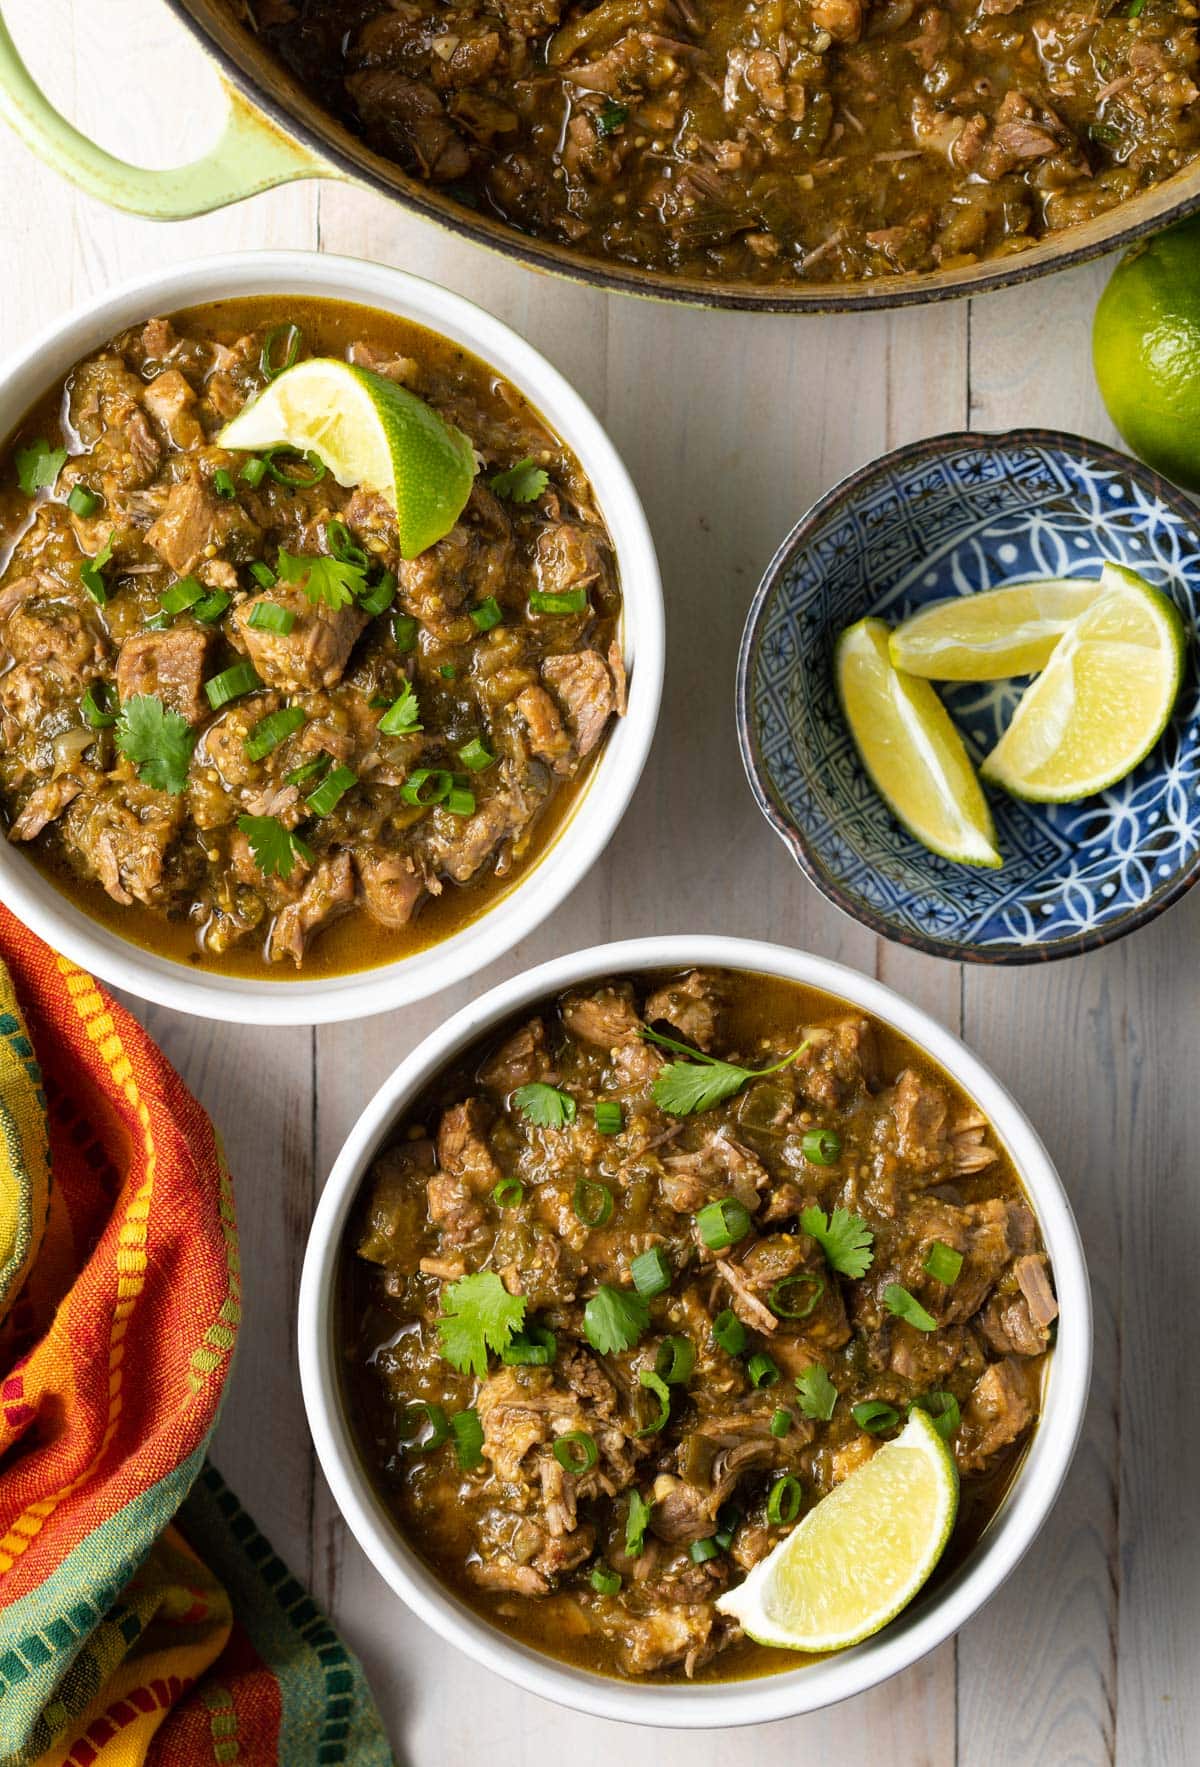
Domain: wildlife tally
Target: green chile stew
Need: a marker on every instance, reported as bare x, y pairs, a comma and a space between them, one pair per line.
234, 724
613, 1319
763, 141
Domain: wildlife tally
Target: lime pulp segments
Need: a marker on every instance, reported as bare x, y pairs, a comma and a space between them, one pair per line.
1103, 700
860, 1555
911, 750
369, 432
992, 635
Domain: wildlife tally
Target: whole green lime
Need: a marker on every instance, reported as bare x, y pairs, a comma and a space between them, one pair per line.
1146, 351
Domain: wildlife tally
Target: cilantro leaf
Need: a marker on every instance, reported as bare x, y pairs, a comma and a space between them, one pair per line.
158, 740
845, 1239
478, 1315
39, 465
614, 1319
818, 1395
685, 1087
403, 716
637, 1517
522, 483
610, 117
545, 1105
897, 1300
333, 582
276, 848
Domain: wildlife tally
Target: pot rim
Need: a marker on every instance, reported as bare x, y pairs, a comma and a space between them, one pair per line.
789, 1693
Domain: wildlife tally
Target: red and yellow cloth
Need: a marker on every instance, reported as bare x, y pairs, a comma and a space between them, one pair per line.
142, 1616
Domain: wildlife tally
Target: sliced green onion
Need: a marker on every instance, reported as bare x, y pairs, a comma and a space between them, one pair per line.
609, 1117
729, 1520
96, 703
270, 361
447, 671
535, 1347
875, 1416
942, 1411
182, 595
723, 1223
434, 1416
573, 601
592, 1202
254, 472
158, 622
380, 598
467, 1431
781, 1422
943, 1263
474, 756
783, 1505
729, 1332
807, 1291
655, 1384
821, 1147
604, 1581
268, 616
700, 1551
508, 1193
212, 607
675, 1359
263, 575
651, 1272
331, 791
231, 684
341, 544
315, 464
460, 802
83, 502
404, 632
416, 790
576, 1452
487, 614
270, 731
635, 1525
222, 483
317, 768
91, 572
762, 1371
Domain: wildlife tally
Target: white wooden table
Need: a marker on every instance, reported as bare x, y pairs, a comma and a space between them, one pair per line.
731, 426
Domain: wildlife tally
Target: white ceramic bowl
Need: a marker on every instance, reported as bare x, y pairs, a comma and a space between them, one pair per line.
932, 1617
597, 810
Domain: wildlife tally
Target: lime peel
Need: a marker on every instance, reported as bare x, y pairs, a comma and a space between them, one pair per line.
860, 1555
369, 432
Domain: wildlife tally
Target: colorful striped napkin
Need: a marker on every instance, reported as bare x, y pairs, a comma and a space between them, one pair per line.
143, 1618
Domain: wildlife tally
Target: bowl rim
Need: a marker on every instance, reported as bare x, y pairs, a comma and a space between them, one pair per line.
595, 814
795, 837
789, 1693
241, 64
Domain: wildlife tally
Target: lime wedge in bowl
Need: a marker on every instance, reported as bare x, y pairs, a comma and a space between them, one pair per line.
992, 635
910, 748
861, 1554
1103, 700
369, 432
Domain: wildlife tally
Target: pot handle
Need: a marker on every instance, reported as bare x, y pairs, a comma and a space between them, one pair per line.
251, 154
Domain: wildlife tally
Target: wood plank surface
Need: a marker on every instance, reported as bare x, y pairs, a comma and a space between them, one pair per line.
731, 426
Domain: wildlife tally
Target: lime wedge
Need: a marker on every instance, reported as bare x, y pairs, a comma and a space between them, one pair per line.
987, 637
369, 432
1103, 700
911, 750
861, 1554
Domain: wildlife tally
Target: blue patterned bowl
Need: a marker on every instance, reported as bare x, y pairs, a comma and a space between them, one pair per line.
950, 516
